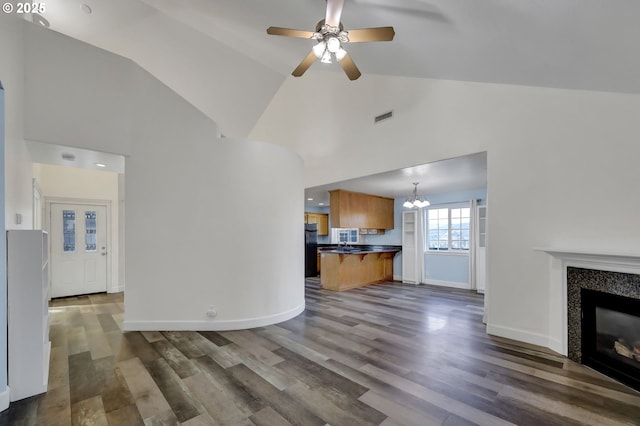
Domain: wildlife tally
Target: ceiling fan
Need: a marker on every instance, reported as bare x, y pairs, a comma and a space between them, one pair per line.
330, 35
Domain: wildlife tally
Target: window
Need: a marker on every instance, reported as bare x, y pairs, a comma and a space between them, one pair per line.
90, 231
344, 235
448, 228
69, 230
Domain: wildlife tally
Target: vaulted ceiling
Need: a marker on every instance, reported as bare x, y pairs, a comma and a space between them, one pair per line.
217, 55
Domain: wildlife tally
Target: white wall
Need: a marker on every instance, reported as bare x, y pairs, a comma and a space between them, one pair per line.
562, 167
189, 233
345, 143
16, 168
4, 394
18, 193
121, 235
224, 84
209, 222
83, 184
76, 95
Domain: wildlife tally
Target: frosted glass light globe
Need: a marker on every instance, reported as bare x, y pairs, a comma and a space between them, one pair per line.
333, 44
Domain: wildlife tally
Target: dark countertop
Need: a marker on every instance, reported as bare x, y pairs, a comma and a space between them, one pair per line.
358, 249
338, 251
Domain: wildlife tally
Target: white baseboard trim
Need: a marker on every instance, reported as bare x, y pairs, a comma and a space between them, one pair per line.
520, 335
397, 277
454, 284
5, 399
212, 324
116, 289
557, 346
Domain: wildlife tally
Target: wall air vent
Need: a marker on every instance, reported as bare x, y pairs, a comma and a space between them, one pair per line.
384, 116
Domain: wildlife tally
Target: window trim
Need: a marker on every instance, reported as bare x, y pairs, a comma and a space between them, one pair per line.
335, 235
449, 250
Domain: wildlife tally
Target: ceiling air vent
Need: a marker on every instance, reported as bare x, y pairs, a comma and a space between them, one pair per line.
68, 157
384, 116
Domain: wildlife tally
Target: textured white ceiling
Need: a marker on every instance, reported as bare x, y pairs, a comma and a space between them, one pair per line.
217, 55
577, 44
59, 155
453, 175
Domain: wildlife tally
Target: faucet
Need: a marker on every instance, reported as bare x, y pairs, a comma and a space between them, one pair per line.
344, 245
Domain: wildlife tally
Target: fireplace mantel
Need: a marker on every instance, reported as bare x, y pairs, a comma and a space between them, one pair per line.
561, 258
616, 259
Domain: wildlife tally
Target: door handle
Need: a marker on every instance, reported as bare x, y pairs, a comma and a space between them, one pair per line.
104, 254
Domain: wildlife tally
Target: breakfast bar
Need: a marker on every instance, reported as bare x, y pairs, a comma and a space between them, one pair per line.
346, 269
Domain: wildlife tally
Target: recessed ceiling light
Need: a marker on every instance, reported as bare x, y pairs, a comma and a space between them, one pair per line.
309, 199
40, 20
100, 165
67, 156
321, 204
86, 8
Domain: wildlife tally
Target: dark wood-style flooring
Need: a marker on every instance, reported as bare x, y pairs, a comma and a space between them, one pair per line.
388, 354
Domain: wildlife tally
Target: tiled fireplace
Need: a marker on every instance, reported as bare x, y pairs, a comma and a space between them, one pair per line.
599, 310
603, 313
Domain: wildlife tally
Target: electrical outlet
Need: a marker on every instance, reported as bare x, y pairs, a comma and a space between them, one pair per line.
211, 312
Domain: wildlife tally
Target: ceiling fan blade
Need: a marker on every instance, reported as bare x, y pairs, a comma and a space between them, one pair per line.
288, 32
334, 12
304, 65
371, 34
350, 67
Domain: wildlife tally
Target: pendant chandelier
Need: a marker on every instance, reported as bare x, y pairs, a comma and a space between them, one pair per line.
415, 201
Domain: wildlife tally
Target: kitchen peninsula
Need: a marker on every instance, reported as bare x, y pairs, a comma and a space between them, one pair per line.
346, 268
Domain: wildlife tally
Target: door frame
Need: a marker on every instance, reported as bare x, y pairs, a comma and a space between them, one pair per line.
37, 205
48, 201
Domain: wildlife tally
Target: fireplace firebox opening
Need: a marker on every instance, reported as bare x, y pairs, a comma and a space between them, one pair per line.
611, 335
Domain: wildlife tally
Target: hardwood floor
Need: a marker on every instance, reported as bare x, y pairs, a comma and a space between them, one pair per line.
387, 354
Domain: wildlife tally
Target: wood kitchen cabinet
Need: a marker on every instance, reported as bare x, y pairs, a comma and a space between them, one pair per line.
343, 271
358, 210
322, 219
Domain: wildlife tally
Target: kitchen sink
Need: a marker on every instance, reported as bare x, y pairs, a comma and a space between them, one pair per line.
349, 250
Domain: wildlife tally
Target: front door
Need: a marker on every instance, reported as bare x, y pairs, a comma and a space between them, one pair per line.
78, 249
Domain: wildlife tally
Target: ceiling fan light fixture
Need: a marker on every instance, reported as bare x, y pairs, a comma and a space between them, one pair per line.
326, 57
330, 29
340, 54
319, 49
333, 44
329, 35
40, 20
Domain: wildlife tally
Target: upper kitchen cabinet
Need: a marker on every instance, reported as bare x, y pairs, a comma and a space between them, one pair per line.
322, 219
357, 210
